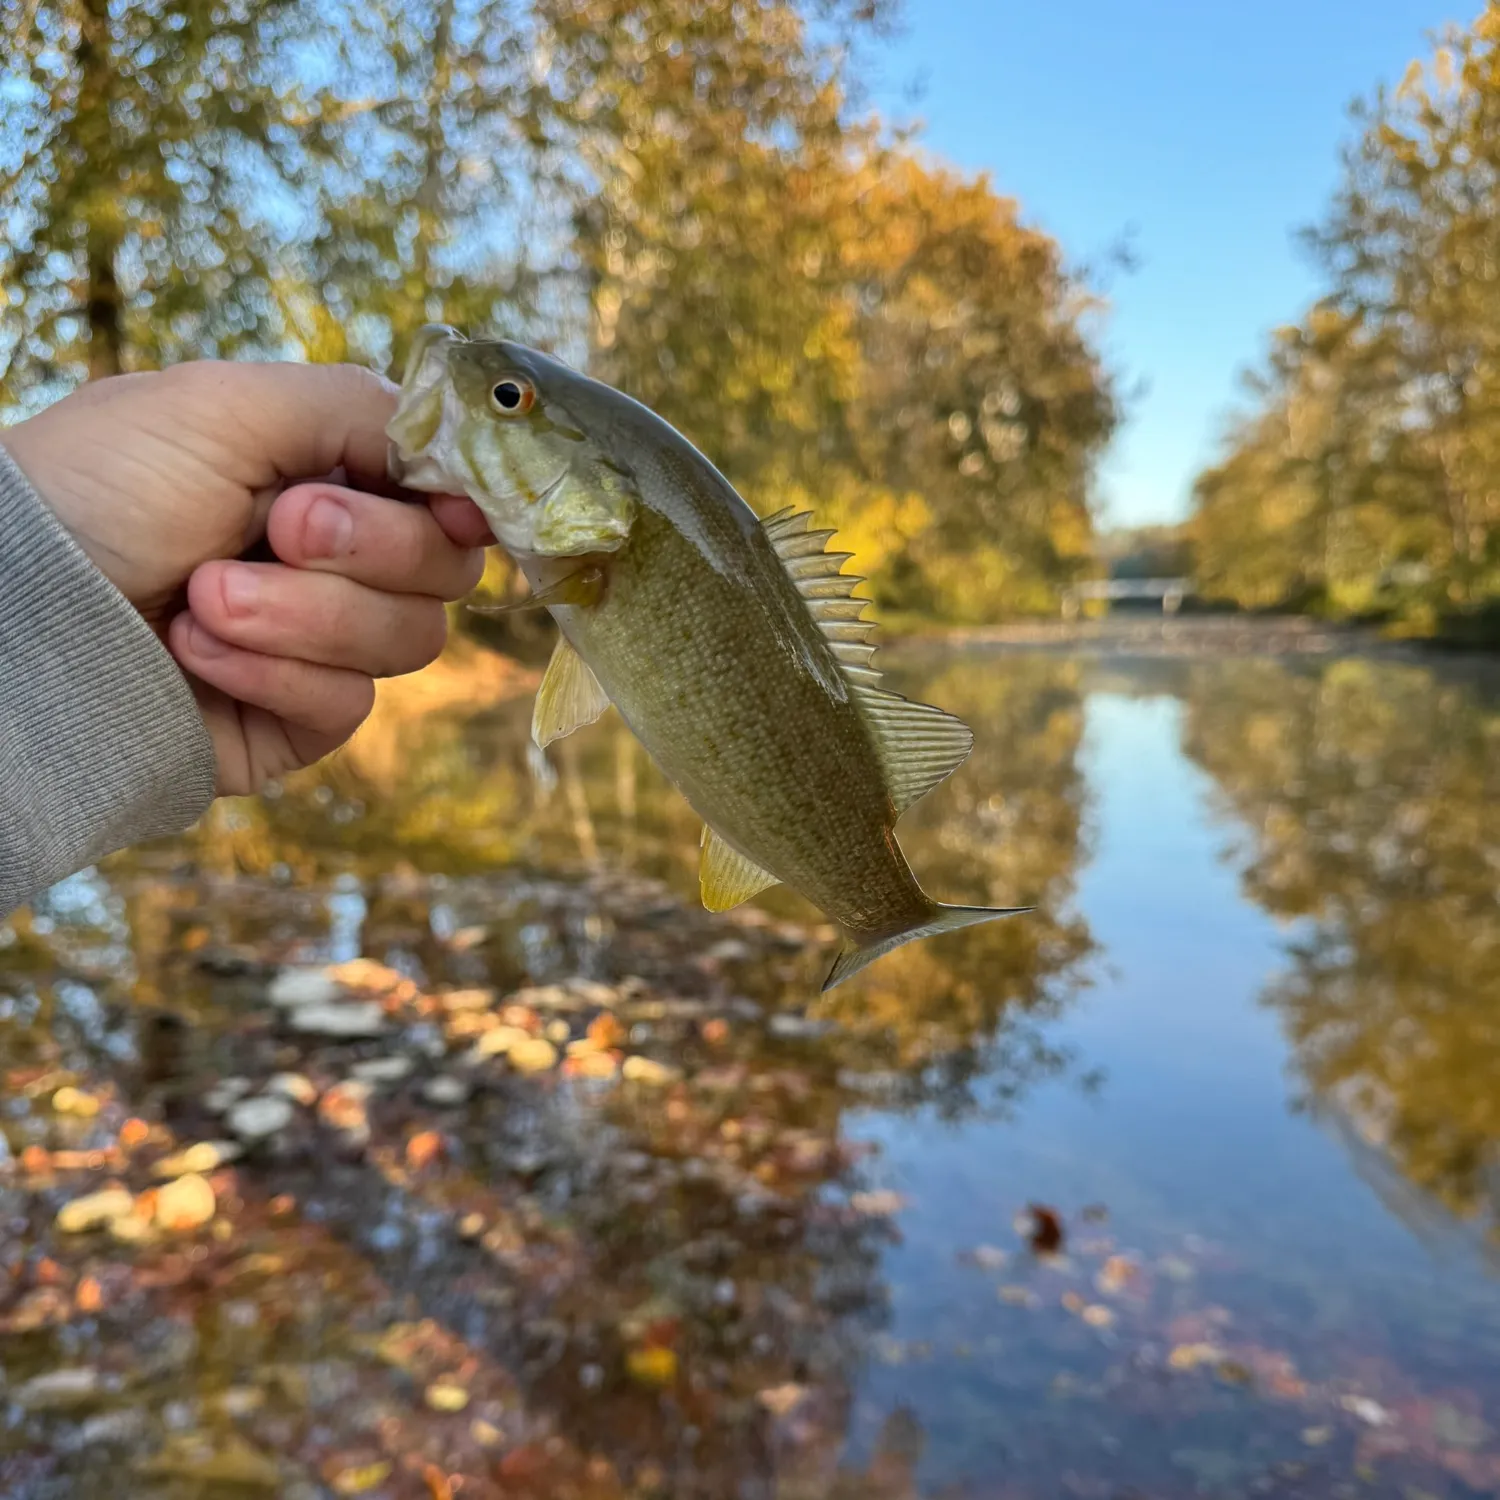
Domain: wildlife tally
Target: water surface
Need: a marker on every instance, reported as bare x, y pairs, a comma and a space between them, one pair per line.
1247, 1051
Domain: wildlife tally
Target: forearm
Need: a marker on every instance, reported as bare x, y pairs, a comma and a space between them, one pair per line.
101, 742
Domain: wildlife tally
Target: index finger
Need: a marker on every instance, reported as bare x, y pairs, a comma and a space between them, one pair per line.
298, 421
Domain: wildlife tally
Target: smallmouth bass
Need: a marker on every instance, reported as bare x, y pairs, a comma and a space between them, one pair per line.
732, 647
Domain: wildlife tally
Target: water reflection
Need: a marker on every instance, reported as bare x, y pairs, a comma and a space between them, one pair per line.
680, 1286
1370, 802
567, 1232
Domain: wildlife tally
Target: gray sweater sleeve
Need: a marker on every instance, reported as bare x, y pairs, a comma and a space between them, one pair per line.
101, 743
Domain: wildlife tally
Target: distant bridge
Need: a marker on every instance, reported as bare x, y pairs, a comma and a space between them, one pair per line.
1171, 592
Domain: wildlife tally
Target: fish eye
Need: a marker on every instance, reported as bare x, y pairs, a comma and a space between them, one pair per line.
512, 397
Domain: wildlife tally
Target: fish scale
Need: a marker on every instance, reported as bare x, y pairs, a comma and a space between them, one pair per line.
732, 648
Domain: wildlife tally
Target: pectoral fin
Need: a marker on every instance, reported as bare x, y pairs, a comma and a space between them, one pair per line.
584, 587
569, 697
725, 876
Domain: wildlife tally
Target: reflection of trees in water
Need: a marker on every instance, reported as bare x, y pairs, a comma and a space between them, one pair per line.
713, 1216
449, 791
1370, 799
721, 1209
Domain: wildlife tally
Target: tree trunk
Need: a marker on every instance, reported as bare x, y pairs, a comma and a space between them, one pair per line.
430, 194
93, 130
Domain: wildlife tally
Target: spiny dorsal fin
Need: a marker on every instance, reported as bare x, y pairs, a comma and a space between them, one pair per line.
569, 697
918, 745
725, 876
828, 593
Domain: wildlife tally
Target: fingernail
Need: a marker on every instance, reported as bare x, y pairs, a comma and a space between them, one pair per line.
241, 588
330, 528
204, 644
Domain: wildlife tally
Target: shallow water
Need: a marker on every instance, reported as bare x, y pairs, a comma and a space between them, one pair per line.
1247, 1050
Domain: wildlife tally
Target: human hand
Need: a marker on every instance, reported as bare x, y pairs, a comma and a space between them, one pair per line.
166, 479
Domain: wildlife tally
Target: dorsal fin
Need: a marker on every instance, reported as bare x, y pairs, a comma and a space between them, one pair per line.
918, 745
725, 876
828, 593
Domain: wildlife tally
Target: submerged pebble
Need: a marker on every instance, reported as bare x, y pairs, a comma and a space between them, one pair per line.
255, 1119
293, 987
352, 1019
382, 1069
445, 1091
294, 1086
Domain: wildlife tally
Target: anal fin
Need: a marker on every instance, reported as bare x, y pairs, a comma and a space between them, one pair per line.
569, 697
725, 876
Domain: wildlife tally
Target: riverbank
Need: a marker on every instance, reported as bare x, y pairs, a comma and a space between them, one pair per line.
1138, 635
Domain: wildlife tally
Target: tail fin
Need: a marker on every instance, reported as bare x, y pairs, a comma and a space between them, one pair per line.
941, 919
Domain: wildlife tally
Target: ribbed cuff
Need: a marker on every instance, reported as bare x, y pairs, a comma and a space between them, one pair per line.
101, 742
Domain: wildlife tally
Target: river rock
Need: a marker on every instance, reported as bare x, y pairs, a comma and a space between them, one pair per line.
294, 987
297, 1087
382, 1069
349, 1020
255, 1119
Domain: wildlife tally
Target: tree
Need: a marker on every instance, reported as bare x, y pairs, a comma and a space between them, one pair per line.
140, 150
1362, 479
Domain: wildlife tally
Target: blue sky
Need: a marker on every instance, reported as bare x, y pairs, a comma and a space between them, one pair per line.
1210, 129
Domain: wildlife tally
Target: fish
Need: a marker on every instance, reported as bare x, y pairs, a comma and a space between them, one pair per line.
732, 647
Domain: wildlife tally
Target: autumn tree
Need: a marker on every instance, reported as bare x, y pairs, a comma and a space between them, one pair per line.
1376, 430
142, 149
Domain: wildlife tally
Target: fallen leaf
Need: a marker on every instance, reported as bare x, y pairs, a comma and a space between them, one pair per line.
134, 1133
780, 1399
89, 1297
1042, 1229
1117, 1273
651, 1366
423, 1149
1191, 1356
446, 1395
605, 1031
877, 1205
359, 1479
70, 1101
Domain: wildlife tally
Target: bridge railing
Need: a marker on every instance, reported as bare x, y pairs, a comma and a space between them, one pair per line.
1170, 591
